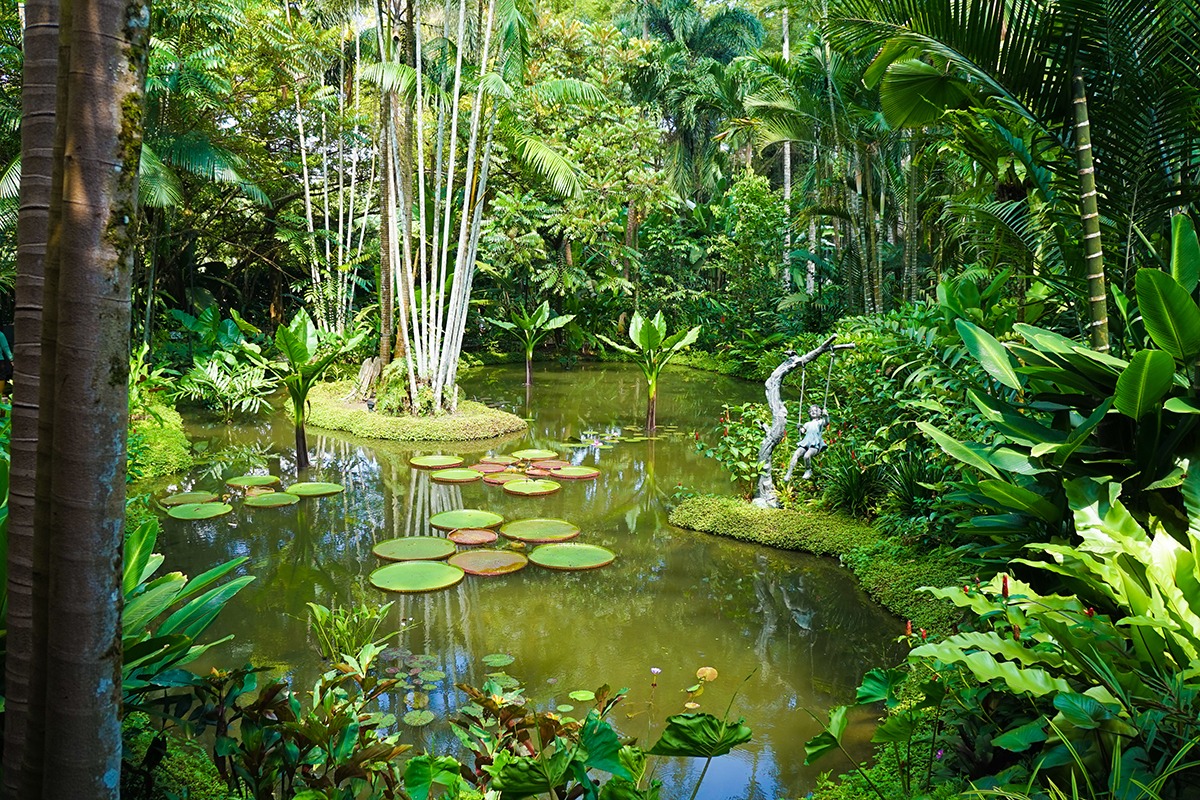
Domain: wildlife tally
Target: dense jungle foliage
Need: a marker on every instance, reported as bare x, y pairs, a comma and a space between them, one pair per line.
993, 201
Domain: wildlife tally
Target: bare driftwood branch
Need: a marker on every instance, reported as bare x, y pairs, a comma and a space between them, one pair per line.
765, 494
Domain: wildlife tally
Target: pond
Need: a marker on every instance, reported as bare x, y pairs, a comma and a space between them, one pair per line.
788, 633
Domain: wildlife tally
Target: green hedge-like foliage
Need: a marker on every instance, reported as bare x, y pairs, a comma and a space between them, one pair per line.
472, 421
158, 445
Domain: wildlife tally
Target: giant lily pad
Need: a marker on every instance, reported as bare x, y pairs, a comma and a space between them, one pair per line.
465, 518
416, 576
272, 500
414, 548
187, 497
472, 537
487, 468
571, 556
534, 455
503, 461
537, 472
551, 463
532, 488
489, 563
456, 476
576, 473
435, 462
246, 481
315, 489
501, 478
199, 510
538, 531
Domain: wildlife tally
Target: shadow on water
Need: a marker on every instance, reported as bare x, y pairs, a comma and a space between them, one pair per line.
798, 625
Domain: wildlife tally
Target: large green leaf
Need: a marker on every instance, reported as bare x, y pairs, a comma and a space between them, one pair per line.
1144, 383
1011, 497
603, 747
881, 686
956, 449
1169, 313
990, 354
1082, 711
1021, 738
898, 728
1185, 253
828, 740
524, 776
986, 668
422, 772
139, 546
700, 736
915, 94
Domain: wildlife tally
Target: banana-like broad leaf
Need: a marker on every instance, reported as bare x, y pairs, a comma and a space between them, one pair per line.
700, 736
1169, 313
828, 740
956, 449
1010, 497
139, 546
1185, 253
622, 347
1023, 737
1082, 711
558, 322
1144, 383
986, 668
990, 354
1182, 405
881, 686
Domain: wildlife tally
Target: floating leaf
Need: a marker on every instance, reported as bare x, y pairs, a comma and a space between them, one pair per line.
465, 518
193, 511
571, 556
572, 473
184, 498
418, 718
498, 659
416, 576
501, 478
272, 500
431, 675
534, 455
489, 563
485, 468
472, 537
456, 476
538, 531
315, 489
414, 548
532, 487
246, 481
551, 463
537, 472
435, 462
582, 696
503, 461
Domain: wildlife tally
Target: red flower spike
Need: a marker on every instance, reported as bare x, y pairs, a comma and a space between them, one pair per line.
908, 628
1004, 586
924, 634
1091, 612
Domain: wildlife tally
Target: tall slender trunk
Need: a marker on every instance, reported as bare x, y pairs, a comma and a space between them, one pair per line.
387, 229
41, 192
1090, 216
787, 171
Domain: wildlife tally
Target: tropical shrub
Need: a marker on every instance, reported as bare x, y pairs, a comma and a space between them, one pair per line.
530, 329
652, 351
737, 438
227, 384
347, 629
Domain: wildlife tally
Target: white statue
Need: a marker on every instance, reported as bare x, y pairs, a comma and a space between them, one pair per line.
811, 439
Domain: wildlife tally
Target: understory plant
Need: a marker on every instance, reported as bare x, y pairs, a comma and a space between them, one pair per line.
652, 351
736, 439
346, 629
530, 329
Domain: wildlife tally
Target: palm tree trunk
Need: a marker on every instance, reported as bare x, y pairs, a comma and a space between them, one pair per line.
105, 90
41, 193
387, 230
1092, 249
787, 171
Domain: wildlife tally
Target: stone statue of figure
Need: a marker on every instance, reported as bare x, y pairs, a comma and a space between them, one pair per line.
811, 439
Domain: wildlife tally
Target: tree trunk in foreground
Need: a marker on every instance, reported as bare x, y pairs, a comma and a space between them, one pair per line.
765, 494
85, 320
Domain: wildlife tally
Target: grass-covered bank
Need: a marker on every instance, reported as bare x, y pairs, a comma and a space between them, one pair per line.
329, 409
890, 572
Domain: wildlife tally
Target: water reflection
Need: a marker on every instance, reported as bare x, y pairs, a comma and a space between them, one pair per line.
798, 625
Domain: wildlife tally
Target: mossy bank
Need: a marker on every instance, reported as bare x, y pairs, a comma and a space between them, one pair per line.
890, 572
157, 444
329, 409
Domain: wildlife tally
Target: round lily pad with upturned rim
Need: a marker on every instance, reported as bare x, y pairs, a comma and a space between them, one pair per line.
456, 475
532, 487
246, 481
489, 563
315, 489
192, 511
573, 473
471, 537
501, 478
537, 472
551, 463
183, 498
488, 468
414, 548
534, 455
571, 556
410, 577
272, 500
503, 461
418, 717
435, 462
540, 530
465, 518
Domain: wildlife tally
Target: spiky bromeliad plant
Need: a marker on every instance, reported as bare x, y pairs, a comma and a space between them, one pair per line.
531, 328
307, 354
653, 350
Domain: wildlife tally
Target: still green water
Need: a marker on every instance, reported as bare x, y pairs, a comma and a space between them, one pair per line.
788, 633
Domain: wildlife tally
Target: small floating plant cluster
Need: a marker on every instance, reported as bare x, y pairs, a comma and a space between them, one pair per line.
428, 563
260, 491
525, 473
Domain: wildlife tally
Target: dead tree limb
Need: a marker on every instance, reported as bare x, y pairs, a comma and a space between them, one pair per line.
765, 494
